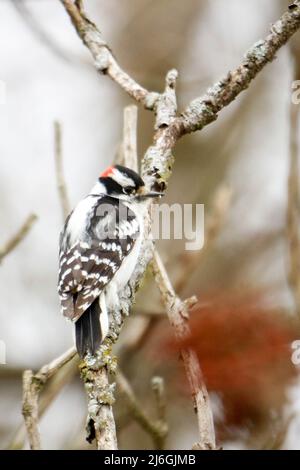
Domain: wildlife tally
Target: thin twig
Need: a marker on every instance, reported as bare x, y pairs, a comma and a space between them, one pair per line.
292, 216
178, 316
158, 430
204, 110
129, 144
14, 241
50, 369
105, 62
32, 386
158, 387
48, 395
43, 36
61, 184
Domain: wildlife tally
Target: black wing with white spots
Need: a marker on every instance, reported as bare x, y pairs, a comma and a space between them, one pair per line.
90, 263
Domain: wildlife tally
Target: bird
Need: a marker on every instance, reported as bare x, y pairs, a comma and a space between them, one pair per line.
99, 248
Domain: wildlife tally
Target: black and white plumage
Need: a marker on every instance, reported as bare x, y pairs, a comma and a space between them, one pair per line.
99, 249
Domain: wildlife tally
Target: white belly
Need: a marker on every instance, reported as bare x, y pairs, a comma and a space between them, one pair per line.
123, 275
128, 265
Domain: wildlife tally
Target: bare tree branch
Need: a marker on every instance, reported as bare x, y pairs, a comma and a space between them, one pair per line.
157, 429
178, 316
129, 156
204, 110
105, 62
14, 241
56, 383
293, 202
158, 387
61, 184
30, 410
100, 393
95, 374
32, 386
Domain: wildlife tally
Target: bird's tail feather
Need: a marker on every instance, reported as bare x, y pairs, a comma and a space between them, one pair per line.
88, 330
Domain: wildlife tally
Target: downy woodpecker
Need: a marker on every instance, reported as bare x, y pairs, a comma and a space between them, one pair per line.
99, 249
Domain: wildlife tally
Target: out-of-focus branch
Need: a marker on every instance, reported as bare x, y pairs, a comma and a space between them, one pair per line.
177, 311
293, 209
61, 184
213, 225
158, 387
292, 214
32, 386
14, 241
105, 62
31, 22
158, 430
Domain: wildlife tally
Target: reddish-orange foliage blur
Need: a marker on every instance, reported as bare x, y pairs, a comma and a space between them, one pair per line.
245, 355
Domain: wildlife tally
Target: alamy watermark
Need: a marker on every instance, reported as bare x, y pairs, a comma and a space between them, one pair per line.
296, 92
296, 354
168, 221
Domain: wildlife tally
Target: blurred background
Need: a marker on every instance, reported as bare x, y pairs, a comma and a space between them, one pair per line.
246, 276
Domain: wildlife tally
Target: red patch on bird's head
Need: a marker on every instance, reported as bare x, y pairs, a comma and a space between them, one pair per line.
107, 172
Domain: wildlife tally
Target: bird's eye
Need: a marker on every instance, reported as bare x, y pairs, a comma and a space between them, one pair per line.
129, 190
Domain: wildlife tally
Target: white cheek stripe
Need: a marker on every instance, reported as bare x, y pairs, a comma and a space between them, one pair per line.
122, 179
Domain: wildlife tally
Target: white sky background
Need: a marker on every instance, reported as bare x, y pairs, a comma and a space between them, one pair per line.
41, 88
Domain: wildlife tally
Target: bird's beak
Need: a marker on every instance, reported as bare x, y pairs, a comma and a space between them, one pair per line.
153, 194
143, 194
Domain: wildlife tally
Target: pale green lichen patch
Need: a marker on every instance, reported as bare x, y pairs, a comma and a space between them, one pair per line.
258, 52
106, 396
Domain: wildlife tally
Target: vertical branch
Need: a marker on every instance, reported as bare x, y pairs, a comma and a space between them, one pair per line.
177, 311
95, 371
129, 144
100, 393
54, 387
158, 388
30, 409
293, 210
293, 204
32, 386
61, 185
